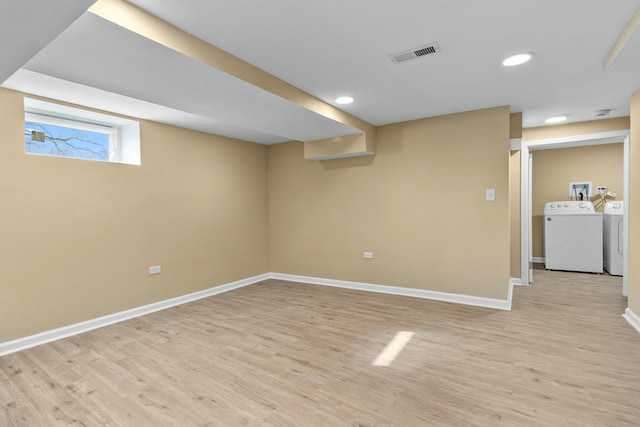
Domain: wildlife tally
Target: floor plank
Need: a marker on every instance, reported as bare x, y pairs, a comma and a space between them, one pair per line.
289, 354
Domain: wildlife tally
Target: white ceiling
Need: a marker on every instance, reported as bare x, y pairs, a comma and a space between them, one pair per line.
331, 48
23, 33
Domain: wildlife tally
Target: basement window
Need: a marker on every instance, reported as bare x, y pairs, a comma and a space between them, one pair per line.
61, 131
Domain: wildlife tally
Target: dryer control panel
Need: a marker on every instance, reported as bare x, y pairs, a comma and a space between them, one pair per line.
614, 208
570, 206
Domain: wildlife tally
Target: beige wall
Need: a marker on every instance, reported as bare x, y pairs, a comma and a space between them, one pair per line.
515, 125
553, 170
78, 236
418, 205
634, 206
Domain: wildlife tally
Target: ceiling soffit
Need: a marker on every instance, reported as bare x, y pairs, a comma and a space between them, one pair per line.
153, 28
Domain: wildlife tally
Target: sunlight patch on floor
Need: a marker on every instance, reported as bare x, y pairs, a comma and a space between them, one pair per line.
391, 351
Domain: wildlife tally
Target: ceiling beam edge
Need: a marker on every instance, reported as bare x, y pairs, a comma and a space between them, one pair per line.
152, 27
622, 40
362, 144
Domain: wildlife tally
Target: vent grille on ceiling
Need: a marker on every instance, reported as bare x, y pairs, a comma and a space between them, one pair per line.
415, 53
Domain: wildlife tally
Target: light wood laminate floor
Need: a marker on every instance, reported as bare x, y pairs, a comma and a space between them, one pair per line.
289, 354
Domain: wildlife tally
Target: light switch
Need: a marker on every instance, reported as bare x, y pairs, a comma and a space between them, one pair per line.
491, 194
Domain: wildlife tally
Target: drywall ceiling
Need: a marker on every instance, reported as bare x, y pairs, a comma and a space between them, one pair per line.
26, 26
333, 48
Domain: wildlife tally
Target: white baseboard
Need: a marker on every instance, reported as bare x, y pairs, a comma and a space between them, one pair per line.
537, 260
632, 318
516, 282
409, 292
78, 328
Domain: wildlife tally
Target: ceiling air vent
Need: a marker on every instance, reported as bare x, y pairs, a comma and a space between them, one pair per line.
415, 53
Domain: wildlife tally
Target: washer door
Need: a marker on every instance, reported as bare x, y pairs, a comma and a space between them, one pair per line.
573, 242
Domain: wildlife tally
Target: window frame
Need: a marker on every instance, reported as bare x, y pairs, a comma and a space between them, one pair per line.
123, 133
112, 132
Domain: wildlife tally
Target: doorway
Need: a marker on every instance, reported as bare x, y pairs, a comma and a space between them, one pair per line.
526, 238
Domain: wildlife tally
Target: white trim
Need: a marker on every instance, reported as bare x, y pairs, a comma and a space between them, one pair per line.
78, 328
632, 318
516, 282
525, 223
625, 225
537, 259
610, 137
498, 304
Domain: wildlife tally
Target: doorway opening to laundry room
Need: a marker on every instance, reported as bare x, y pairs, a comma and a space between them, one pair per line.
548, 169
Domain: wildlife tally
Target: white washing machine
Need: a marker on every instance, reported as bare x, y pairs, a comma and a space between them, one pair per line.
612, 229
572, 237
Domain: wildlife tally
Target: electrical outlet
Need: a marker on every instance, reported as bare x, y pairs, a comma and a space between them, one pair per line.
368, 255
601, 189
491, 194
155, 269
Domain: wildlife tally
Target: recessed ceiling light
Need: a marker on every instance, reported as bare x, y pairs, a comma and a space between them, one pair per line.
344, 100
518, 59
556, 119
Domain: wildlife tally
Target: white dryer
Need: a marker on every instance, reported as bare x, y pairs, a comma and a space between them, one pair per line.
612, 229
572, 236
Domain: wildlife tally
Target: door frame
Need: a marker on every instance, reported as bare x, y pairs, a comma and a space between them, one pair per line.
526, 147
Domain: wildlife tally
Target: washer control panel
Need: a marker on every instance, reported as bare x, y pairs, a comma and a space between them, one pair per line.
570, 206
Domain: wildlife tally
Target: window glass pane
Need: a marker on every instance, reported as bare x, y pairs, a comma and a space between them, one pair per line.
62, 141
